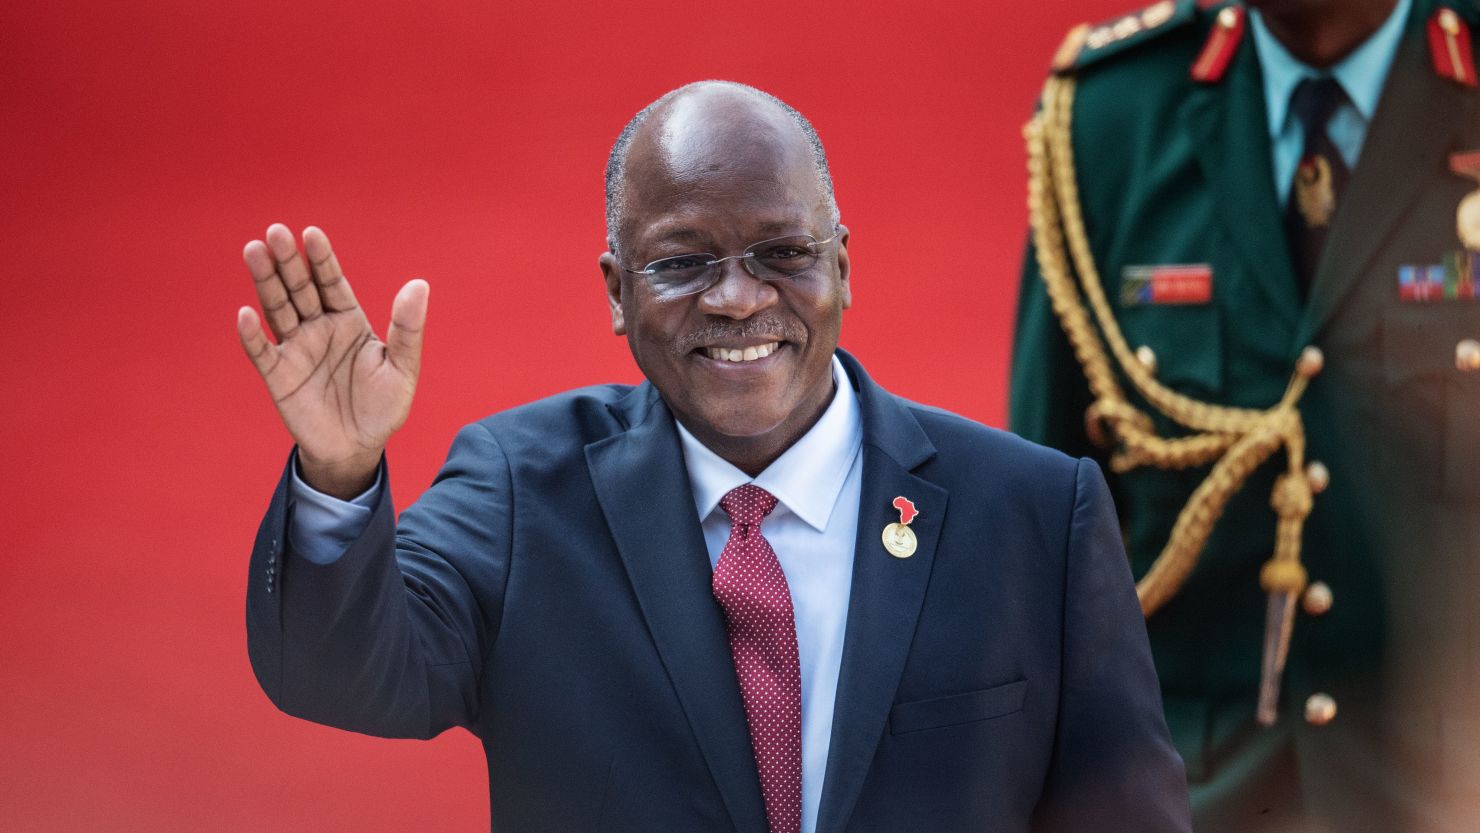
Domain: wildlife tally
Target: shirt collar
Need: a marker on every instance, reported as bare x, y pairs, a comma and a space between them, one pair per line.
806, 478
1361, 74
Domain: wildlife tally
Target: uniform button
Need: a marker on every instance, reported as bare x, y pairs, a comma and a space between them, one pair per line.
1320, 709
1318, 476
1467, 355
1449, 21
1310, 362
1228, 18
1317, 599
1147, 357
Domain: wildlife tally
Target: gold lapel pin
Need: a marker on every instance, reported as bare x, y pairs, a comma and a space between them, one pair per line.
899, 539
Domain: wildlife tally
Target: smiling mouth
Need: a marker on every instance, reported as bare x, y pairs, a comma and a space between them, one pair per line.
741, 354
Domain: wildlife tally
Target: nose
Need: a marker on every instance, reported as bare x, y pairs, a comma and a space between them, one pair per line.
736, 293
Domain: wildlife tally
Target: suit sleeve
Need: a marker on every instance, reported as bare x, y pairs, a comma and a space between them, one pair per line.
1048, 392
1114, 766
388, 639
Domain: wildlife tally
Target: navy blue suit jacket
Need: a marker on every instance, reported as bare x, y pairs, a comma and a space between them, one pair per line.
551, 593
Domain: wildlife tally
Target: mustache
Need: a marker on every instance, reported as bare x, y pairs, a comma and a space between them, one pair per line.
726, 329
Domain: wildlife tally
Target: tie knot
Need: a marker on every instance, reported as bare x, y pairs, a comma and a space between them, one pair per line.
747, 504
1314, 100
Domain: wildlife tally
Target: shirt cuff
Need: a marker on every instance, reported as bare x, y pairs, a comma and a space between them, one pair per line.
320, 526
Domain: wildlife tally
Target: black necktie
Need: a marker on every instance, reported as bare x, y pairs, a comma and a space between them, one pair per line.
1319, 178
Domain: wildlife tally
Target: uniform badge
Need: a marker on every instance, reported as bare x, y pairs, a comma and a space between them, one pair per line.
1467, 217
899, 539
1315, 191
1218, 51
1449, 47
1456, 275
1168, 284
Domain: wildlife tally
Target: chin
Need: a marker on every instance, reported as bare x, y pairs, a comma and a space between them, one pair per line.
738, 425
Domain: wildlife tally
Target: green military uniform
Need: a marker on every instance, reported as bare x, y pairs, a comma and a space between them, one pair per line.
1173, 170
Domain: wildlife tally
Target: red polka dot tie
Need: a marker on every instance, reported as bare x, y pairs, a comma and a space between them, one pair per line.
763, 642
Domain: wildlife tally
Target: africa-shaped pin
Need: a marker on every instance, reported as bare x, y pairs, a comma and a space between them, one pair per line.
899, 539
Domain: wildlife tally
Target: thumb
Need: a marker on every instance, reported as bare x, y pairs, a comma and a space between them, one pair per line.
408, 320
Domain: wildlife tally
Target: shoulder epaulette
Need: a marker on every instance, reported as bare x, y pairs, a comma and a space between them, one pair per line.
1087, 44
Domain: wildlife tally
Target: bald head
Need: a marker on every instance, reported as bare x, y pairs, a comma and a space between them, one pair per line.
703, 131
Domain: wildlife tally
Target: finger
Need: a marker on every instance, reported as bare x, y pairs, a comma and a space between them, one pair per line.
408, 319
281, 316
293, 268
254, 341
334, 290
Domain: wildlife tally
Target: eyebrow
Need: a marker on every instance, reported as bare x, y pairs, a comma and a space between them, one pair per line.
682, 233
686, 234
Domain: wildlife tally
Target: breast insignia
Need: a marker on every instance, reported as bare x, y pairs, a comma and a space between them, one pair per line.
1456, 277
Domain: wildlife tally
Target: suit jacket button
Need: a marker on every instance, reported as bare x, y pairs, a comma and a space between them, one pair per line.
1320, 709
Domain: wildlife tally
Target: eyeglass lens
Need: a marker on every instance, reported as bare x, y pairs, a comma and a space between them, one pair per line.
783, 257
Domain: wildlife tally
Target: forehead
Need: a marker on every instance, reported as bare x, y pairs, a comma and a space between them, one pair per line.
720, 157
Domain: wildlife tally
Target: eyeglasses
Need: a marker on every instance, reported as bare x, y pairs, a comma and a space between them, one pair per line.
768, 260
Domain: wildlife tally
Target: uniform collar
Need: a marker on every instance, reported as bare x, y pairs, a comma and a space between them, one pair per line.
1361, 74
806, 478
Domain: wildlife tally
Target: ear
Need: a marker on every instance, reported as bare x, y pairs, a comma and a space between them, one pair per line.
611, 275
843, 266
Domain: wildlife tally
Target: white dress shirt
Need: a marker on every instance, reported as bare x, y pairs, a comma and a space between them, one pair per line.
817, 483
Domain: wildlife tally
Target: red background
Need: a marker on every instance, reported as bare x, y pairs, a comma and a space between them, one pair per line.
144, 143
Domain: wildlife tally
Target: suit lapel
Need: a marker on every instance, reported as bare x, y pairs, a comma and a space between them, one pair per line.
642, 485
1231, 128
1418, 120
886, 596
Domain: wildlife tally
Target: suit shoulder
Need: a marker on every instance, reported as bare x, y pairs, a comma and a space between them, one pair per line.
574, 417
1132, 36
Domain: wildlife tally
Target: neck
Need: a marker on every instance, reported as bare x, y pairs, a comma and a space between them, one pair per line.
1320, 34
753, 454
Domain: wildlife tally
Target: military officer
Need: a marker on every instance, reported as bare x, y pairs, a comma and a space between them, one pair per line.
1251, 292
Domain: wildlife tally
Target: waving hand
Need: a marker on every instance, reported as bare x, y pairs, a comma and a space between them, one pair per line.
339, 389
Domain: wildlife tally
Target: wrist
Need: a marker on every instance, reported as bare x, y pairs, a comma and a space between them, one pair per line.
344, 479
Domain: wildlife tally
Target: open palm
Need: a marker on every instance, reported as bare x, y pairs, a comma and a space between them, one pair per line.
340, 390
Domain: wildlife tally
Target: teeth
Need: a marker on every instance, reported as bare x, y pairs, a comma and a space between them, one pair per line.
746, 354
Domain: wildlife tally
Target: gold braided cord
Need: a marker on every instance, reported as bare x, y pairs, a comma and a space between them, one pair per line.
1236, 441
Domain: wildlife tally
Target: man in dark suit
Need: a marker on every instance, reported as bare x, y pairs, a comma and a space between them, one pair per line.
755, 593
1271, 190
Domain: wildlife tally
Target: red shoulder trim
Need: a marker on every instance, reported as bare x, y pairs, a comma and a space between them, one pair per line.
1218, 51
1449, 47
